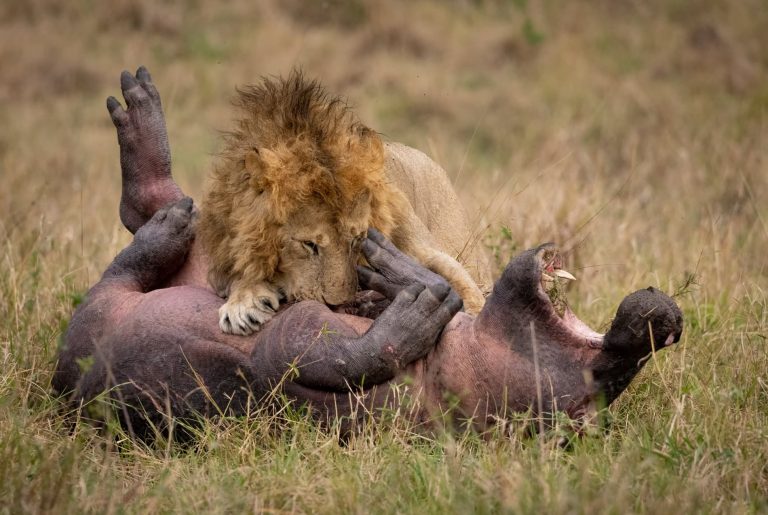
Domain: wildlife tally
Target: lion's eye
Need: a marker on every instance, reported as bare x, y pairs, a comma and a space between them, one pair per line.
311, 246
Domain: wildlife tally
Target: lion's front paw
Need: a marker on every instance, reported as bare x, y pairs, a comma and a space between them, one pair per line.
247, 310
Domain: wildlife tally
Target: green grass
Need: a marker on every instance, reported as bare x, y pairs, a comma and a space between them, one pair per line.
633, 135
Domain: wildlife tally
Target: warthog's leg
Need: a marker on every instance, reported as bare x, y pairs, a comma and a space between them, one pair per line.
327, 354
157, 251
393, 270
155, 363
145, 157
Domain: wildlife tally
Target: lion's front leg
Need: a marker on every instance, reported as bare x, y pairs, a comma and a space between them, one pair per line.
249, 306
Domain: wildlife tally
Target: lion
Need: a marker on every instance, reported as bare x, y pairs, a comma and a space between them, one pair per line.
288, 205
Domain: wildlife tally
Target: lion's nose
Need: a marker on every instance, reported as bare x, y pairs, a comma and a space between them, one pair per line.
339, 296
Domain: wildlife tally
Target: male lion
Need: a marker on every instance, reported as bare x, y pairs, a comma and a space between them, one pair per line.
299, 183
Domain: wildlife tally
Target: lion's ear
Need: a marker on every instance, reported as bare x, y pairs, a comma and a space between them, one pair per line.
360, 207
259, 162
252, 162
363, 198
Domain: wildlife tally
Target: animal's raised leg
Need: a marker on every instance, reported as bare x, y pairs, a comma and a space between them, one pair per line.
145, 156
328, 355
393, 270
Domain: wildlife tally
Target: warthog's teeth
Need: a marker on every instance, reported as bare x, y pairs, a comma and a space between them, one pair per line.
564, 275
547, 277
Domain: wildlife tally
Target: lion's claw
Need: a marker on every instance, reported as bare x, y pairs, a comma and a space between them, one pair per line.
247, 310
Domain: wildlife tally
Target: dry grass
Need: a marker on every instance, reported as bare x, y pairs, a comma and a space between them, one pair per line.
632, 133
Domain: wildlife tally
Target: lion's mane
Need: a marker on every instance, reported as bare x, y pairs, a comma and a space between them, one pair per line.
292, 144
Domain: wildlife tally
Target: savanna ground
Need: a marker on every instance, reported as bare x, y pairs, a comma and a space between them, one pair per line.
632, 133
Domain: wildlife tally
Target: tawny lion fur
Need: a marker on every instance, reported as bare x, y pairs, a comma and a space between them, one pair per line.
297, 168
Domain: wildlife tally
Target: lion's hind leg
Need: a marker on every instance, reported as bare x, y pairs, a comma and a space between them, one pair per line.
444, 265
414, 239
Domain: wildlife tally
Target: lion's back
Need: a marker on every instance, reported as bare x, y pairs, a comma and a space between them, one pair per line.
429, 191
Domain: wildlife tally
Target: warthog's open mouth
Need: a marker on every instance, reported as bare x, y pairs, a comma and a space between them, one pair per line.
553, 279
553, 285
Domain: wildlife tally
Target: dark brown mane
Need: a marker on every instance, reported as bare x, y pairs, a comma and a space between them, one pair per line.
293, 146
280, 109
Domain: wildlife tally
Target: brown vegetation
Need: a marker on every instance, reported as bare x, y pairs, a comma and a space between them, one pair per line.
632, 133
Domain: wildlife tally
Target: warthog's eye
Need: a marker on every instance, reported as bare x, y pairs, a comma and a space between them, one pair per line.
311, 246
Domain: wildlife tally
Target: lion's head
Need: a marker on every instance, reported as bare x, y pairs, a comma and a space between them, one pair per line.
301, 181
318, 250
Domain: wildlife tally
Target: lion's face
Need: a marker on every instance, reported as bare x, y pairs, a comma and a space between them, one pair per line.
300, 182
319, 251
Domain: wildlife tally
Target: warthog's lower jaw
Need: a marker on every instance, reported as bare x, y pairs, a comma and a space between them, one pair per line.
581, 328
553, 282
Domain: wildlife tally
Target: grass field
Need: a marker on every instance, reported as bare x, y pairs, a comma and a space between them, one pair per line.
634, 134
